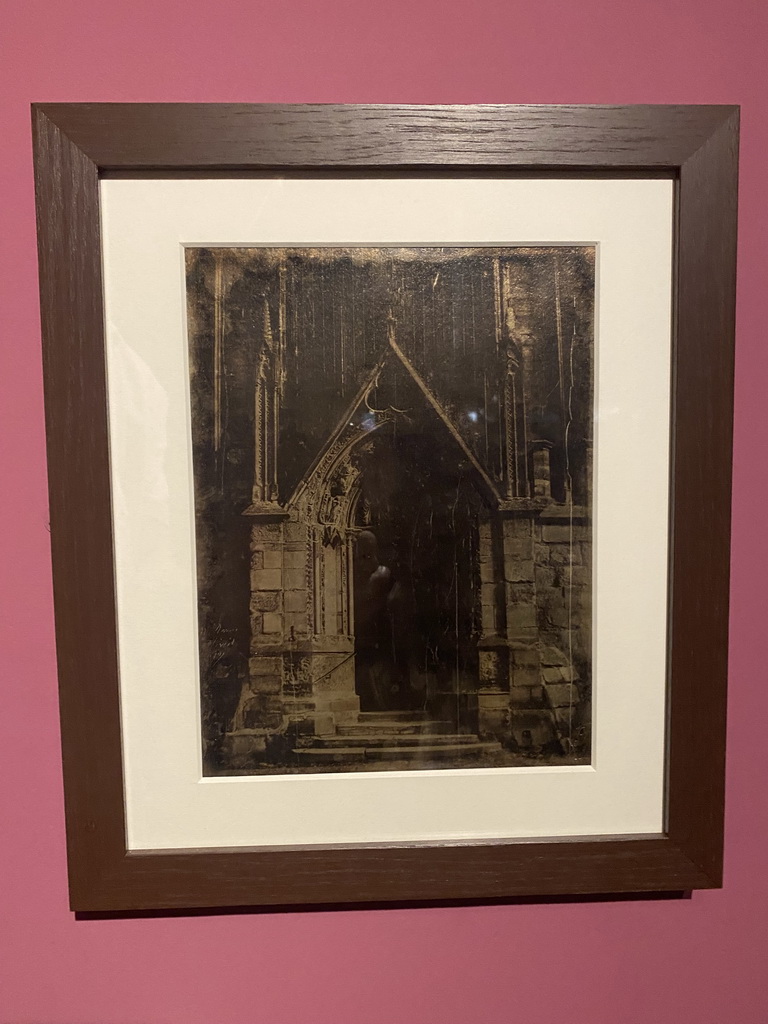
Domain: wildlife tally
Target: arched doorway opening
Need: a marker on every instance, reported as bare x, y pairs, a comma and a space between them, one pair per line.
416, 568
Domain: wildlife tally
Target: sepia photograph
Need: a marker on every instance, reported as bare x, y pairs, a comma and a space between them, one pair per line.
392, 461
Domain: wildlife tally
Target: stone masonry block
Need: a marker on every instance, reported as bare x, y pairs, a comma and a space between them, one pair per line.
295, 532
548, 576
273, 558
516, 547
560, 616
553, 656
294, 579
272, 623
518, 571
295, 601
562, 695
295, 558
580, 576
265, 600
520, 694
524, 675
265, 666
487, 573
267, 579
557, 534
552, 675
520, 617
267, 684
564, 554
296, 621
525, 657
265, 533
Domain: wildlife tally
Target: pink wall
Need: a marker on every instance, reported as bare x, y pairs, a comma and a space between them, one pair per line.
689, 962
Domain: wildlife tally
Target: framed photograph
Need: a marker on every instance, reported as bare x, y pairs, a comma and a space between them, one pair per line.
389, 457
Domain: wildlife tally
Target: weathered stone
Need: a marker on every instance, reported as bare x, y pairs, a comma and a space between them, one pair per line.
517, 547
345, 704
265, 532
265, 600
273, 558
521, 608
553, 656
557, 534
295, 579
295, 601
564, 716
581, 576
493, 699
484, 532
525, 675
520, 617
296, 621
265, 666
257, 560
295, 532
547, 576
246, 743
487, 572
519, 572
541, 473
267, 579
563, 554
295, 558
532, 729
525, 656
552, 675
488, 666
520, 694
493, 717
562, 695
272, 623
267, 684
559, 615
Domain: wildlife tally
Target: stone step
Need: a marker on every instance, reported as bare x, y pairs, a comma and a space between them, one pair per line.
394, 726
427, 751
417, 752
400, 716
388, 739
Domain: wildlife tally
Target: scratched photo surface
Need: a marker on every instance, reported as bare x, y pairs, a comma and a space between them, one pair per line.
392, 455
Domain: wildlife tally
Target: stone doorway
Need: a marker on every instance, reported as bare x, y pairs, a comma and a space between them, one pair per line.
416, 571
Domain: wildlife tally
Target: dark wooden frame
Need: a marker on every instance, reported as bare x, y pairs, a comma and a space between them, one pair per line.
75, 144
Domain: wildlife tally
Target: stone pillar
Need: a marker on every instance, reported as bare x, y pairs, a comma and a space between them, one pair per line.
519, 578
542, 479
301, 667
508, 654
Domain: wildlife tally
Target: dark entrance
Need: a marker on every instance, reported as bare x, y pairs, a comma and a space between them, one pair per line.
416, 570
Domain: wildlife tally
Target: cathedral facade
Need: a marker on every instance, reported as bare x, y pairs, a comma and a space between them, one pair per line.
393, 463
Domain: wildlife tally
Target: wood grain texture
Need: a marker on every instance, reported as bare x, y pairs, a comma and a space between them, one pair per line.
701, 496
69, 247
124, 136
74, 145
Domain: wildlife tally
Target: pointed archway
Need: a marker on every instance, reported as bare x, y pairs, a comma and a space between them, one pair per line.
467, 594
